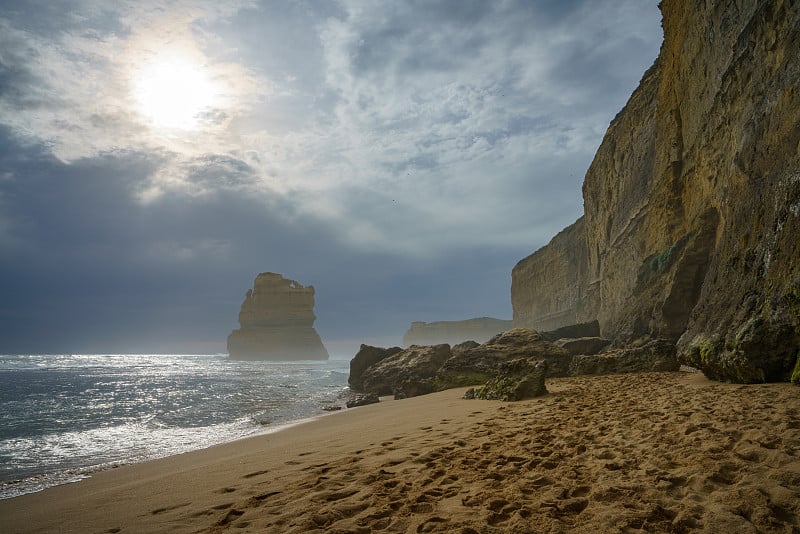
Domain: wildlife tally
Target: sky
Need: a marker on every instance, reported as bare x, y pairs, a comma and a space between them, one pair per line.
399, 156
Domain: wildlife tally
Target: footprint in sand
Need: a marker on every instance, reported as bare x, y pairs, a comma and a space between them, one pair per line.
229, 517
255, 474
264, 496
158, 511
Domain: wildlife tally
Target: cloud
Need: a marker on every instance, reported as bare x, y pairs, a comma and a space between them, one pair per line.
400, 156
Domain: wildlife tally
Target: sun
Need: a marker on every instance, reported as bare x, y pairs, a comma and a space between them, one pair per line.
174, 92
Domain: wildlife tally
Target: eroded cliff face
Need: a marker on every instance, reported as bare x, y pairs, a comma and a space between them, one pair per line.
552, 287
277, 322
691, 230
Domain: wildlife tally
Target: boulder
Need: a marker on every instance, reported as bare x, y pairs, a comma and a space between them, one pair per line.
515, 380
362, 400
761, 350
583, 345
478, 364
464, 346
587, 329
657, 355
407, 373
277, 322
366, 357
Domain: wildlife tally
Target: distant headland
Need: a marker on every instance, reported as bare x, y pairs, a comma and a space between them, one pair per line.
277, 322
479, 329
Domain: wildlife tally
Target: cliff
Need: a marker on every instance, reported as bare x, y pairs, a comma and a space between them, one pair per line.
692, 202
452, 332
563, 265
277, 322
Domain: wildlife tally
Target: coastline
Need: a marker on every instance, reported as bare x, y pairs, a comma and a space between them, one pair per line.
61, 426
658, 451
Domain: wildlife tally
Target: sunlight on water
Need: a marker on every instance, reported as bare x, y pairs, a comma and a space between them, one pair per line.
63, 416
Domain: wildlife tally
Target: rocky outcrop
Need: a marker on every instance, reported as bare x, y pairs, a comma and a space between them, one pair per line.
418, 370
277, 322
452, 332
588, 329
366, 357
692, 202
655, 356
515, 380
362, 400
513, 344
407, 373
583, 345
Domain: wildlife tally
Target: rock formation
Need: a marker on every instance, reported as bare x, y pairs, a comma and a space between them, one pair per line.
513, 344
654, 356
551, 288
692, 202
590, 329
451, 332
583, 345
418, 369
407, 373
277, 322
516, 380
366, 357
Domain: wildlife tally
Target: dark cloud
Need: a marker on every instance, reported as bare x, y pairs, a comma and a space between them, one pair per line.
17, 80
49, 17
219, 171
96, 270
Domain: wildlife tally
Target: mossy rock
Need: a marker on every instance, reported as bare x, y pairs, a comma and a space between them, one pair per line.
517, 380
760, 351
445, 381
657, 264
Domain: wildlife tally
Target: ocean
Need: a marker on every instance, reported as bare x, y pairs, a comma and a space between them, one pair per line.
65, 416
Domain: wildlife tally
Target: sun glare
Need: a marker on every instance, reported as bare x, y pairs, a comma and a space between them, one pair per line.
173, 93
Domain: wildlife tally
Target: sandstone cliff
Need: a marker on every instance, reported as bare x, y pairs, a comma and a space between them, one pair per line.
277, 322
452, 332
692, 203
551, 288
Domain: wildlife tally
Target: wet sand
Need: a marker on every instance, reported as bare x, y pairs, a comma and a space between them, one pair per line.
659, 452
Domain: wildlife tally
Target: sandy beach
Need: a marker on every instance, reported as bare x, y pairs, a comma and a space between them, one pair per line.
660, 452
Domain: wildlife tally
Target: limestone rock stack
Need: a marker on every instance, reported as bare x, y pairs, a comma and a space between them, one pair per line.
692, 203
277, 322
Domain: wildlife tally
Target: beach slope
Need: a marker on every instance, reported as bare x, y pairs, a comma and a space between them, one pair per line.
656, 452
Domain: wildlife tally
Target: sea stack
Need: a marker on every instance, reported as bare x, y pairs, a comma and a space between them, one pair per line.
277, 322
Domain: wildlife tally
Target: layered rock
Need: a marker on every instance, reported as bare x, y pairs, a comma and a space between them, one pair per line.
583, 345
418, 370
552, 288
408, 373
513, 344
692, 202
479, 329
655, 356
277, 322
366, 357
516, 380
589, 329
